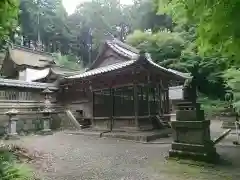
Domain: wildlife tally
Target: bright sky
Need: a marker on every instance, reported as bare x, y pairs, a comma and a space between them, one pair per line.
70, 5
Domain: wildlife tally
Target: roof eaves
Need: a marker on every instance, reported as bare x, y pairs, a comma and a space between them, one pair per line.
25, 84
28, 50
126, 46
102, 70
171, 71
122, 50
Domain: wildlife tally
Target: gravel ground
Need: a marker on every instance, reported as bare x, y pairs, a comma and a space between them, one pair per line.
76, 157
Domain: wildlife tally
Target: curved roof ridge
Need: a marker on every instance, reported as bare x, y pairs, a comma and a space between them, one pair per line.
103, 69
126, 46
22, 56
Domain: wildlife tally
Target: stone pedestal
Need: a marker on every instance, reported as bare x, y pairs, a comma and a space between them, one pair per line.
192, 138
46, 112
45, 124
228, 121
12, 128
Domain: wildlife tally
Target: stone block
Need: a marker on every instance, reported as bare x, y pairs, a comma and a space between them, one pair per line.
197, 148
190, 115
190, 124
228, 122
46, 132
102, 124
210, 157
191, 136
185, 105
12, 137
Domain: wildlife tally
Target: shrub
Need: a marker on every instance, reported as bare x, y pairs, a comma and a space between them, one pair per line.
10, 169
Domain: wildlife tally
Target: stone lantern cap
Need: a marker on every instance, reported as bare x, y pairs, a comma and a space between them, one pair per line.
12, 112
47, 91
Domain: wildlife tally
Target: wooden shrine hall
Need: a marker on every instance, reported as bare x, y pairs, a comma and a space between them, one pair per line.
126, 90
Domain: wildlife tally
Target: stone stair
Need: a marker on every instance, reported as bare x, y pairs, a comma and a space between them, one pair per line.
72, 119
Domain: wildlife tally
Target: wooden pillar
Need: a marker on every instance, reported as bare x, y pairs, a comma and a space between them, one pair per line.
159, 100
148, 94
135, 98
167, 101
93, 107
148, 100
112, 92
141, 93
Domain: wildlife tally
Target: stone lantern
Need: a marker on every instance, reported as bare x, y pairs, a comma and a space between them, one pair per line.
191, 131
46, 112
12, 124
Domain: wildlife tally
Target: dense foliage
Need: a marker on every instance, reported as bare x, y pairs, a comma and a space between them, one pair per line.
8, 18
176, 50
81, 33
217, 21
203, 39
9, 169
216, 33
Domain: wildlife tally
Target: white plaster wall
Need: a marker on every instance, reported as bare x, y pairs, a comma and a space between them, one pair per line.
176, 93
22, 75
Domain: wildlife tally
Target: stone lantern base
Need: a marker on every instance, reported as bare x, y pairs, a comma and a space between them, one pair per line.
192, 138
45, 123
12, 129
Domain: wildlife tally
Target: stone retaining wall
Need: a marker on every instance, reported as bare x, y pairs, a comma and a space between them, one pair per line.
29, 115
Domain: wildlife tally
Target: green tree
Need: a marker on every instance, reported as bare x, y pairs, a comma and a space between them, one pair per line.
177, 50
8, 18
45, 21
68, 61
142, 15
217, 22
164, 46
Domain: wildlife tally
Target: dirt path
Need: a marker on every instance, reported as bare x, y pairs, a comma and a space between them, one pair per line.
76, 157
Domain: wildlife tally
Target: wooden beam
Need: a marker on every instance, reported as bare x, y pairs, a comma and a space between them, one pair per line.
135, 99
93, 107
167, 101
131, 117
148, 96
101, 118
158, 99
113, 108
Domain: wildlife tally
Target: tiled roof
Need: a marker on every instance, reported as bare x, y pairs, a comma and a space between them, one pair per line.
183, 75
123, 49
130, 53
120, 48
121, 65
24, 56
102, 69
38, 74
25, 84
59, 70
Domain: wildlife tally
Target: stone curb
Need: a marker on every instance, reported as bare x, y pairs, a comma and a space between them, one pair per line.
141, 139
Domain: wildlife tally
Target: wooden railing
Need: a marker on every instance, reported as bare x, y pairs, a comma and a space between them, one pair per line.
15, 95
